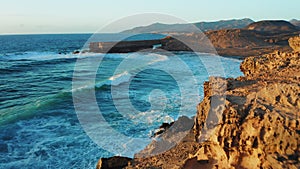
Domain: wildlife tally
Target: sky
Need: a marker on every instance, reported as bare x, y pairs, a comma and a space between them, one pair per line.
90, 16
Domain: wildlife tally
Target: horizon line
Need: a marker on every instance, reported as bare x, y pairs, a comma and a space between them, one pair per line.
59, 33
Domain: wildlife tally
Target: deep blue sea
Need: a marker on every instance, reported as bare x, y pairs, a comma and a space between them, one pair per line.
41, 80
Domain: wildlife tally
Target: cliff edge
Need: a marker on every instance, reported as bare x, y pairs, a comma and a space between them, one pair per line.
246, 122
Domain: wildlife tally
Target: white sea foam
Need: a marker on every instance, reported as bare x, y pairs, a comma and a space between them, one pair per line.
125, 75
120, 78
53, 55
39, 56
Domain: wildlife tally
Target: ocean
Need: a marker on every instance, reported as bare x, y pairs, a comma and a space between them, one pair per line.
41, 81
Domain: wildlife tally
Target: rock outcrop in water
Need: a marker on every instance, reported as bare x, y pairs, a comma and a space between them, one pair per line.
113, 162
247, 122
122, 46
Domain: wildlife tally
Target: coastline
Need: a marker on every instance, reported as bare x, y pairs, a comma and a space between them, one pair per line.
255, 39
150, 85
257, 123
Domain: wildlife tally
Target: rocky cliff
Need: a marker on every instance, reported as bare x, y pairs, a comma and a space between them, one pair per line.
256, 39
247, 122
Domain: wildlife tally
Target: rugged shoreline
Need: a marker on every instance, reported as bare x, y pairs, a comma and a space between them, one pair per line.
247, 122
256, 39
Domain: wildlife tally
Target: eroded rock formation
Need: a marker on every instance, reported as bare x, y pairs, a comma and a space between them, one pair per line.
294, 42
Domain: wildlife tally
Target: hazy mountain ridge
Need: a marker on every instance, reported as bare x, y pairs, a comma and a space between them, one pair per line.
295, 22
194, 27
208, 26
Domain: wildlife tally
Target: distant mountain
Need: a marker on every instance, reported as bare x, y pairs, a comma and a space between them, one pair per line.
203, 26
295, 22
224, 24
273, 26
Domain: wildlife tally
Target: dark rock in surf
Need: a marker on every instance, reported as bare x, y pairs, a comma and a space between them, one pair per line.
76, 52
116, 162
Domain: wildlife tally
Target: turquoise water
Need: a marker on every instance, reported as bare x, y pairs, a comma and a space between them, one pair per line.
38, 122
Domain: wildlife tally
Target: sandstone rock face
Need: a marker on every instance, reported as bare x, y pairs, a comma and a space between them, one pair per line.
294, 43
275, 66
247, 122
259, 126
